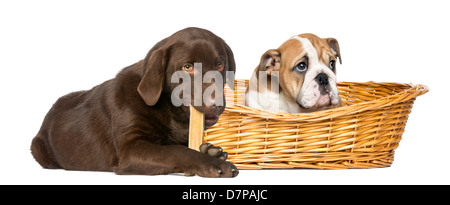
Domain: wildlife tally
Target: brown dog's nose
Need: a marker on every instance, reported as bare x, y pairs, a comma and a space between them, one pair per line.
210, 102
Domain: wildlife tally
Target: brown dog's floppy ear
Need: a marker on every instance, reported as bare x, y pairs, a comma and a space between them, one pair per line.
270, 61
231, 67
334, 45
152, 82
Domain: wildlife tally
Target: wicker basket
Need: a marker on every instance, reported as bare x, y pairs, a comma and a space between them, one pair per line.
363, 134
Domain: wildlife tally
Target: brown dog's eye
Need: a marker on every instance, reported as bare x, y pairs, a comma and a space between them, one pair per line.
188, 67
219, 66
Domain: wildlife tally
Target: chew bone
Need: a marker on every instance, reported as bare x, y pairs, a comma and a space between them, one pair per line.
196, 125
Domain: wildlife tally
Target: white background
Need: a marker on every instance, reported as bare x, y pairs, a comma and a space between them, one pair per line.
51, 48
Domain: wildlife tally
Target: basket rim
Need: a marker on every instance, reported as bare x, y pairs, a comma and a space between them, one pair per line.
409, 91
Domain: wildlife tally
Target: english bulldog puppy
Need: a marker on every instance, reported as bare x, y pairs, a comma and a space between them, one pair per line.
297, 77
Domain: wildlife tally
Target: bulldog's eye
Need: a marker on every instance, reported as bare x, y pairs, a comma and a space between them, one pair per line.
219, 66
332, 64
188, 67
301, 67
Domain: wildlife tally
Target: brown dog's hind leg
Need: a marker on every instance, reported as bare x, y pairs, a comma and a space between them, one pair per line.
42, 154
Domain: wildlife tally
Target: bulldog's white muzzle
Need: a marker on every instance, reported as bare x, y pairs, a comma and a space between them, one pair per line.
319, 85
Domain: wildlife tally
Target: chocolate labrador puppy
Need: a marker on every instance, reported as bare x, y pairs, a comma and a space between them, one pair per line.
129, 124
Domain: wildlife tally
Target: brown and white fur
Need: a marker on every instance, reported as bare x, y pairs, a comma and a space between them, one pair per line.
300, 76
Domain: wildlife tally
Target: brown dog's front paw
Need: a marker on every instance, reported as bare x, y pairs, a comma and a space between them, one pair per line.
213, 151
213, 163
217, 168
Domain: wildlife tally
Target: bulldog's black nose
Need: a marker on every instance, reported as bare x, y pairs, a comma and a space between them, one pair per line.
322, 79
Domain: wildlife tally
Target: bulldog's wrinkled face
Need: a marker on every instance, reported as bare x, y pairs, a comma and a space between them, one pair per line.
308, 70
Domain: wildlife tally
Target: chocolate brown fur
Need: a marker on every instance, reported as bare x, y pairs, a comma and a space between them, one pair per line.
128, 124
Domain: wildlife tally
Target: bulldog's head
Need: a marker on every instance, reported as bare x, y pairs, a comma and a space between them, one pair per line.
306, 66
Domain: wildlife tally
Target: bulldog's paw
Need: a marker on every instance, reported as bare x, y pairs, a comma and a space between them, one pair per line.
213, 151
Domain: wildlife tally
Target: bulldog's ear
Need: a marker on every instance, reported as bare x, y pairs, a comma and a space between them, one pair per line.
270, 61
231, 71
152, 82
334, 45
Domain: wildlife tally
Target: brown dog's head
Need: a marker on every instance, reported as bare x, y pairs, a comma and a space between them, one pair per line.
178, 54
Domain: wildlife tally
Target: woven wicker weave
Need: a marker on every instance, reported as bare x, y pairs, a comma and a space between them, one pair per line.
363, 134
